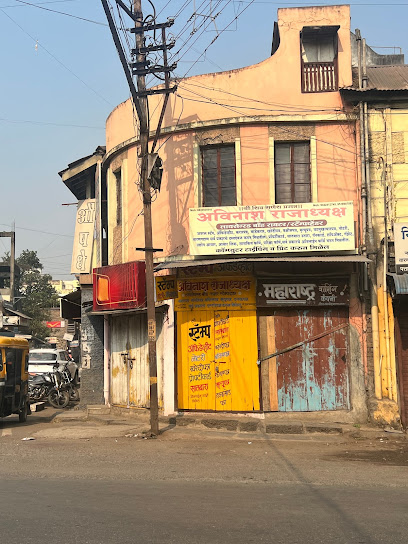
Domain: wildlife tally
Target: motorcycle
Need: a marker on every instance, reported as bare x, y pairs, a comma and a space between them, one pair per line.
52, 386
70, 384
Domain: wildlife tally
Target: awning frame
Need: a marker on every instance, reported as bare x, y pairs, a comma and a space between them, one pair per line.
166, 265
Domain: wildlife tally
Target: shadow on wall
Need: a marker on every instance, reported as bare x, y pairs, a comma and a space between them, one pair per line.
180, 187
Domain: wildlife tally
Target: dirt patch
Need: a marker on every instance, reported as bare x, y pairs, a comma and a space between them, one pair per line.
393, 455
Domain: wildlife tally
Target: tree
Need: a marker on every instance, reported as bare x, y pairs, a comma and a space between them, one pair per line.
35, 289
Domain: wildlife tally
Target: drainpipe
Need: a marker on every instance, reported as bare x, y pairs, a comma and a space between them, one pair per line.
106, 360
365, 159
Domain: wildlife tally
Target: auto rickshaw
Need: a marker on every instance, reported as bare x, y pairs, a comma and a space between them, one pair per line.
14, 376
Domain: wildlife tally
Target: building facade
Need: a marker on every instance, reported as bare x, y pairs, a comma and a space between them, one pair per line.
263, 276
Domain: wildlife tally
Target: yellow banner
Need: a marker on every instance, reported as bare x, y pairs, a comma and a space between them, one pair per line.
217, 354
166, 287
223, 293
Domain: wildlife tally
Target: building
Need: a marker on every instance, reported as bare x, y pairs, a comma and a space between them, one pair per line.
262, 229
381, 94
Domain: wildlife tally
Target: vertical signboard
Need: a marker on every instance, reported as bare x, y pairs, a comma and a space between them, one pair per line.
401, 247
84, 235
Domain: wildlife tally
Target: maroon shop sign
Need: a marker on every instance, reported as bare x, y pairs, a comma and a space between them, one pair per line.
307, 292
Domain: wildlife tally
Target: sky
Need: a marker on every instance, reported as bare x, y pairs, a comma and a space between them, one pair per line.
61, 77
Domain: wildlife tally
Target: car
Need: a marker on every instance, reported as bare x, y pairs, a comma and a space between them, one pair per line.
43, 360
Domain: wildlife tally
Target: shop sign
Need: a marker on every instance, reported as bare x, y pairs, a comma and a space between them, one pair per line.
119, 286
166, 288
223, 293
401, 247
55, 324
220, 269
84, 236
307, 292
277, 228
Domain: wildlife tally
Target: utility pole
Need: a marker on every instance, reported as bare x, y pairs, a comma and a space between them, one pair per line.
148, 226
140, 69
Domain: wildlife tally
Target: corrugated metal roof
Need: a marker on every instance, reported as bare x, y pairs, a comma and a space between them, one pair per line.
400, 286
305, 259
383, 78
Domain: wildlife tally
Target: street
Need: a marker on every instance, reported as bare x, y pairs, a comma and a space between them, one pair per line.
197, 487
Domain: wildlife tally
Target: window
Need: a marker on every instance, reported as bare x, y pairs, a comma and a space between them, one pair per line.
118, 180
292, 172
218, 176
319, 59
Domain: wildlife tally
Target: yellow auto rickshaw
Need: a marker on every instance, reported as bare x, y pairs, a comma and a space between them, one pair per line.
14, 376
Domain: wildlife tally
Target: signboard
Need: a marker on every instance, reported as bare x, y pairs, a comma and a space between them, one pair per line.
84, 235
119, 287
55, 324
401, 247
11, 320
166, 288
307, 292
151, 330
226, 293
52, 339
219, 269
277, 228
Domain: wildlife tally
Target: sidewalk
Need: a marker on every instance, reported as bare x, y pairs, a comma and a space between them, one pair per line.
113, 422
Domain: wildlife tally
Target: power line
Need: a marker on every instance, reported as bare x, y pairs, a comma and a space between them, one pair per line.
39, 3
41, 231
56, 59
61, 13
44, 123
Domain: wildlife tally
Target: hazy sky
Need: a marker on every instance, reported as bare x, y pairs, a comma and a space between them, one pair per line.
61, 78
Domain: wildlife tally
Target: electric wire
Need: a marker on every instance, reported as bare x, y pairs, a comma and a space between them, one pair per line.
56, 59
61, 13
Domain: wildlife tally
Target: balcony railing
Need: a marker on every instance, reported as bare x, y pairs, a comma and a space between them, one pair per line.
319, 77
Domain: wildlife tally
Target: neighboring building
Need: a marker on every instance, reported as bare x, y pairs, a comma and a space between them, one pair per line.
262, 229
64, 287
382, 94
83, 179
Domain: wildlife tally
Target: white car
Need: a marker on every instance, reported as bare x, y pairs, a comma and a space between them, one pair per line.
44, 360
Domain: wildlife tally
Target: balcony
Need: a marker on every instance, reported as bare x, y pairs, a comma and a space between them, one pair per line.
319, 77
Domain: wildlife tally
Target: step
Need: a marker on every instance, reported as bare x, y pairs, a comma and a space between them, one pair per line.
37, 406
98, 409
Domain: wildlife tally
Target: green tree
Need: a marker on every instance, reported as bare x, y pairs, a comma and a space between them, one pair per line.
36, 292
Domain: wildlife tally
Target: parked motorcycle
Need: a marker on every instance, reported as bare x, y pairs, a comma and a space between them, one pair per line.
52, 386
70, 384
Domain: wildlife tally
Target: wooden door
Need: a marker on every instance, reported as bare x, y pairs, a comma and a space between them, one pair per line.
313, 376
401, 343
130, 361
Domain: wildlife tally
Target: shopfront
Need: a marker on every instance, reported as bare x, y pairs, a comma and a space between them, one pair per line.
217, 348
249, 340
304, 347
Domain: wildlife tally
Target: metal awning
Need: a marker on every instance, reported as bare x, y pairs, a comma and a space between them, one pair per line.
159, 308
70, 305
398, 284
329, 30
305, 259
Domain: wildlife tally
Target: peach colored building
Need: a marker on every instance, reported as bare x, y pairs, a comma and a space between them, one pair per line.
260, 220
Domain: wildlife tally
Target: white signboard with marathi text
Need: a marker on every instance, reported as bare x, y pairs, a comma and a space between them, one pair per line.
275, 228
84, 236
401, 247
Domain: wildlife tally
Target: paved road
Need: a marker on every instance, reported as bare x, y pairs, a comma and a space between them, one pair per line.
196, 488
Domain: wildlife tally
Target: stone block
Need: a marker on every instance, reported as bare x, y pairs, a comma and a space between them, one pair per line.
323, 428
184, 421
227, 424
284, 428
249, 426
